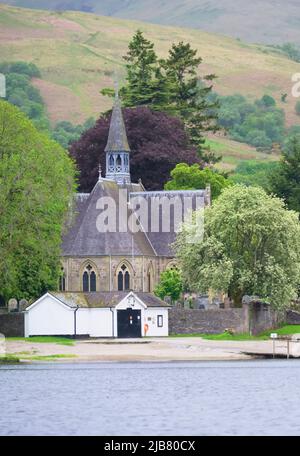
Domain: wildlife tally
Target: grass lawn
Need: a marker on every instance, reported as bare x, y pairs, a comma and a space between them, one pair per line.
9, 359
49, 357
283, 331
44, 340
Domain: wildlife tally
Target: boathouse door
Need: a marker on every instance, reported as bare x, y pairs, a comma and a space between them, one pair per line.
129, 323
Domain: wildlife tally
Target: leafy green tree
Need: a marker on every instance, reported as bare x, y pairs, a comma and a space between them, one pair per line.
251, 246
266, 101
259, 124
291, 50
21, 92
29, 69
284, 97
36, 184
185, 177
285, 180
170, 285
254, 173
229, 117
65, 133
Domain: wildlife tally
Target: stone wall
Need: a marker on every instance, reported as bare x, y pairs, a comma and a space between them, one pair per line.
253, 317
188, 321
293, 317
107, 269
262, 318
12, 324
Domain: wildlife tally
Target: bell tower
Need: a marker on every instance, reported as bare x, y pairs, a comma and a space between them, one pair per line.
117, 148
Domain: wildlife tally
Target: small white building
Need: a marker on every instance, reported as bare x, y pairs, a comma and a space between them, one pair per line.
99, 314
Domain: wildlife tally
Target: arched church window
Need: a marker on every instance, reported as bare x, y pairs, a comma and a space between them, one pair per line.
93, 281
62, 280
119, 163
120, 281
127, 280
111, 163
123, 279
126, 163
89, 280
149, 281
85, 281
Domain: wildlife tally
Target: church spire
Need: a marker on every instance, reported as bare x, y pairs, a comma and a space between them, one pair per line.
117, 148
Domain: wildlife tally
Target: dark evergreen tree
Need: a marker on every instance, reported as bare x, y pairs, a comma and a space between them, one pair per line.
285, 180
171, 86
190, 95
141, 65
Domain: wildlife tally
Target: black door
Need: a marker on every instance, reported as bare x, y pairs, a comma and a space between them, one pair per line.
129, 323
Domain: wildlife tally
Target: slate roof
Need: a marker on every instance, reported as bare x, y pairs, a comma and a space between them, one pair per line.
117, 137
84, 239
105, 299
162, 240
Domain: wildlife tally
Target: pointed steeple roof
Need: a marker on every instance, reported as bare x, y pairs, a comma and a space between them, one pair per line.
117, 137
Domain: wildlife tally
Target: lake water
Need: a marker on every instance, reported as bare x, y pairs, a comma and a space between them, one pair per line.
203, 398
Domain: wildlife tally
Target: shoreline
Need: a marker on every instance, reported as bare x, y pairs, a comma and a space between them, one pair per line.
188, 349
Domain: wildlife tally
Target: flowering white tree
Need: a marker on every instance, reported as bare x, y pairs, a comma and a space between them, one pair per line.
251, 245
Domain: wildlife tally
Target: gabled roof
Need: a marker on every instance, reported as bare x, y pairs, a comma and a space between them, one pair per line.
105, 299
83, 237
160, 239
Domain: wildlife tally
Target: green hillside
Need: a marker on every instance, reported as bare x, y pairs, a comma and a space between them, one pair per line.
233, 153
263, 21
78, 54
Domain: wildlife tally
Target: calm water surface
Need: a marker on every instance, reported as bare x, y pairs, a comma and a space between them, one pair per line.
203, 398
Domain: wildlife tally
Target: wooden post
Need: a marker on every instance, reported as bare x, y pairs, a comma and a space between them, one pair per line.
288, 349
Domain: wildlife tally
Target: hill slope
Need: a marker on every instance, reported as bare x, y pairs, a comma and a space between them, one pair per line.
78, 53
265, 21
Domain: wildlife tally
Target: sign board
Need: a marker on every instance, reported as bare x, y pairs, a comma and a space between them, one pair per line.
274, 335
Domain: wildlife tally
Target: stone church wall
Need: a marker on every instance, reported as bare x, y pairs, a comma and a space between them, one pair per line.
106, 269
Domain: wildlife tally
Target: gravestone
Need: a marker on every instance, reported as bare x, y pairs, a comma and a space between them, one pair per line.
13, 305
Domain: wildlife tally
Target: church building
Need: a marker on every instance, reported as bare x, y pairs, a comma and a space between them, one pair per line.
121, 260
118, 242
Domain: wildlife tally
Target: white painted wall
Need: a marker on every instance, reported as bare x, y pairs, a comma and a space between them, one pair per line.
150, 318
49, 317
100, 323
82, 322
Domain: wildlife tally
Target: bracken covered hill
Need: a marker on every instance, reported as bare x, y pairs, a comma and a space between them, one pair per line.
78, 53
259, 21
